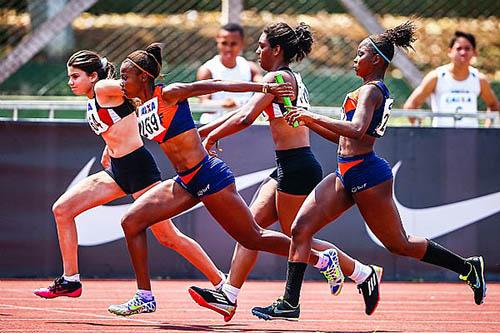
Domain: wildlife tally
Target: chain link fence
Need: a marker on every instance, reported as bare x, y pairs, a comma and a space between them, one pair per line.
188, 28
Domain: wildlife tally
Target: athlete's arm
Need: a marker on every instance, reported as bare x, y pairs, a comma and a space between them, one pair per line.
369, 97
244, 117
206, 129
305, 119
176, 92
205, 74
488, 96
421, 93
109, 87
325, 133
109, 92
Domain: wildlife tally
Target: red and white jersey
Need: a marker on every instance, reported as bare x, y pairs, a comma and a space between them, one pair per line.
101, 119
277, 110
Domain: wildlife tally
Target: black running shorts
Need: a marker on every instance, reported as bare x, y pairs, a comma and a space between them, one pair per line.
135, 171
298, 172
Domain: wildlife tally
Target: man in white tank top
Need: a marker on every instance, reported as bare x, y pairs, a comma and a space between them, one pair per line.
454, 87
227, 65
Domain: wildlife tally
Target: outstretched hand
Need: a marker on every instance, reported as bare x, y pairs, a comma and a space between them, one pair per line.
300, 115
281, 89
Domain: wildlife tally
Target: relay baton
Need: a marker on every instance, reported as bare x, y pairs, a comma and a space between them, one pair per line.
286, 100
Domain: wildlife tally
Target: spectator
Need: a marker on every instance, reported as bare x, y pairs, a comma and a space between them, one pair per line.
454, 87
228, 65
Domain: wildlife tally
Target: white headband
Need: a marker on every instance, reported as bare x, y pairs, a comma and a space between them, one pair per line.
378, 50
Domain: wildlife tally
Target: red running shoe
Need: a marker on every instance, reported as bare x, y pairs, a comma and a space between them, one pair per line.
61, 287
214, 300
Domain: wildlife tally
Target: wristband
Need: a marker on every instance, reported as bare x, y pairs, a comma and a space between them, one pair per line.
265, 88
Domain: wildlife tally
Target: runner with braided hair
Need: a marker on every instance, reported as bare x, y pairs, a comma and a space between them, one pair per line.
364, 179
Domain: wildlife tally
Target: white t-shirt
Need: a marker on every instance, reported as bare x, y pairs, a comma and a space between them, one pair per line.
455, 97
240, 72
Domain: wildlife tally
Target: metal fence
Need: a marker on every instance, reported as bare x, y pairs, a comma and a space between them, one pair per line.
188, 28
73, 110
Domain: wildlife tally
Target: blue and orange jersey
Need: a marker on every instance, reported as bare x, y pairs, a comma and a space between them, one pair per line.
381, 115
160, 122
101, 119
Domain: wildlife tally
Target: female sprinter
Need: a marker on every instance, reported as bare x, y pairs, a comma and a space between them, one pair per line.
364, 179
280, 197
165, 117
130, 169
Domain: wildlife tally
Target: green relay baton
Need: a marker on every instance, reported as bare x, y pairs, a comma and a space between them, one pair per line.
286, 100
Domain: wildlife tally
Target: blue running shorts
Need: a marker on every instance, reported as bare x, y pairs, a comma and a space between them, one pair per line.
360, 172
209, 176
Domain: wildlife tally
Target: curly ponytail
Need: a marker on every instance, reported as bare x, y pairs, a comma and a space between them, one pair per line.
304, 40
402, 36
296, 43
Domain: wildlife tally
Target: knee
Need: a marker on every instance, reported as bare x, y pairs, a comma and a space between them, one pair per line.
62, 211
129, 225
301, 232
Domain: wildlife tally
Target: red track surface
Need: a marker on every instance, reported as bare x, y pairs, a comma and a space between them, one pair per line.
404, 307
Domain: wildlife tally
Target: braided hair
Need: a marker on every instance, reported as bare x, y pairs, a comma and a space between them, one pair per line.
296, 43
401, 36
90, 62
148, 61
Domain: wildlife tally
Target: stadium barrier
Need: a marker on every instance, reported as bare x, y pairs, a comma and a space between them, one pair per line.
72, 110
447, 187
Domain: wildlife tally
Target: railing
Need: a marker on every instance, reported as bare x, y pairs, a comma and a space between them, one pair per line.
58, 111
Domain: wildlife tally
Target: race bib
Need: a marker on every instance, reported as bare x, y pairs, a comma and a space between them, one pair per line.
97, 125
302, 94
380, 129
149, 121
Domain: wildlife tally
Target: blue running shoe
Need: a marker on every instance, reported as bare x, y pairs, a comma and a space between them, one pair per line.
475, 278
280, 309
332, 272
134, 306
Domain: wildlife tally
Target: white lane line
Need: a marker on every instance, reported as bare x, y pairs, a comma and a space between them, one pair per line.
323, 301
80, 313
371, 320
379, 311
